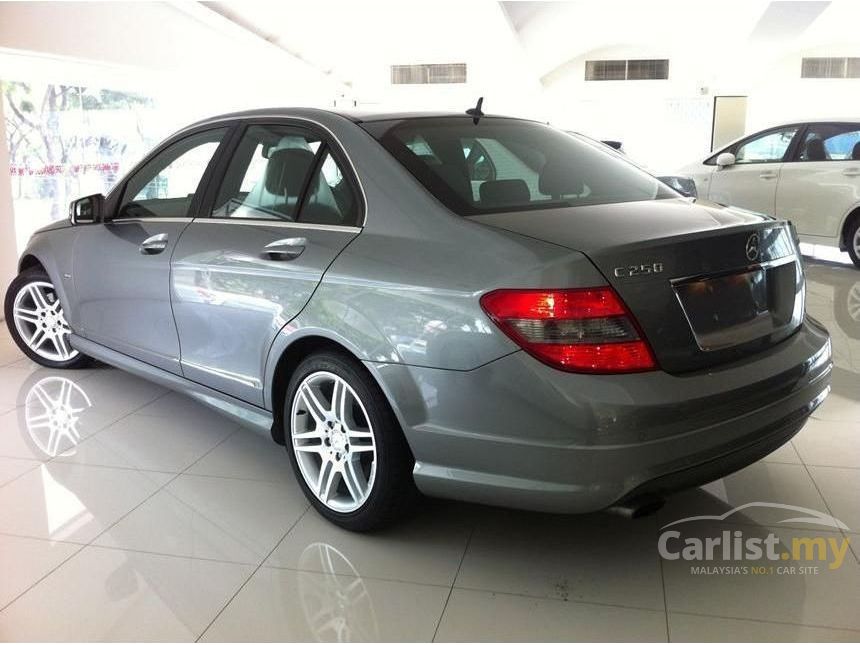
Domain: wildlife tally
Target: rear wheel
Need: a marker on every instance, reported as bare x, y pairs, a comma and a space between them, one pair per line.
345, 445
852, 240
35, 318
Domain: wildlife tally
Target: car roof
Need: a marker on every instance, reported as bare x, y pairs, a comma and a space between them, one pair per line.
806, 121
356, 116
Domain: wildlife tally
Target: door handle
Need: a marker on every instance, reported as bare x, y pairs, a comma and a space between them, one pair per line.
851, 172
767, 174
287, 249
154, 245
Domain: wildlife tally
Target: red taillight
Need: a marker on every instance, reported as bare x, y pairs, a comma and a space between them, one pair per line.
578, 330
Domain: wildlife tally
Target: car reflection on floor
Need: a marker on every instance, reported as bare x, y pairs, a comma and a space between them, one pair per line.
337, 605
52, 409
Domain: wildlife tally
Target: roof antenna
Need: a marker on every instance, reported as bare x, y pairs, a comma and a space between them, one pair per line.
476, 112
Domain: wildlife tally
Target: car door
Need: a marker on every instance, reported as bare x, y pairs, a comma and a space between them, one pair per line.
121, 267
284, 204
751, 181
821, 183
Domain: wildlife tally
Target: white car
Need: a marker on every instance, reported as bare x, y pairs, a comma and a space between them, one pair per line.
808, 173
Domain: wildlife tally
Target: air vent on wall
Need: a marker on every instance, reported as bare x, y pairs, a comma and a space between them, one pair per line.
627, 70
821, 67
428, 74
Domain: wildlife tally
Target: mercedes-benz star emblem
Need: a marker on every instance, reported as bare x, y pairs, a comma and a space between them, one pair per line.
752, 247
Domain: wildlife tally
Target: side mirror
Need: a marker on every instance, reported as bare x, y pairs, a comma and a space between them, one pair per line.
684, 185
725, 159
86, 210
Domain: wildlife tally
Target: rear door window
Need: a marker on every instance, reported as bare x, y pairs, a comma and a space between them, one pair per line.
831, 142
331, 198
268, 173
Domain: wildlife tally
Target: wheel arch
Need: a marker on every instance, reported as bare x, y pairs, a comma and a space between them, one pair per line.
288, 359
288, 352
30, 261
852, 215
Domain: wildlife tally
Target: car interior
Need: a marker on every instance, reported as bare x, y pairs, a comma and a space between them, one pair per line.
270, 172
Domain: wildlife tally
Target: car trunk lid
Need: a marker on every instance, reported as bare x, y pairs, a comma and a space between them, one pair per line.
706, 284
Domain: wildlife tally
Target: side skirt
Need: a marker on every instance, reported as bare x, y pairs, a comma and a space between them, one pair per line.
244, 413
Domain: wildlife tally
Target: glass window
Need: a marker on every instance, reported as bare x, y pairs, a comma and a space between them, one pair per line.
331, 199
167, 184
66, 141
267, 173
769, 147
508, 165
831, 142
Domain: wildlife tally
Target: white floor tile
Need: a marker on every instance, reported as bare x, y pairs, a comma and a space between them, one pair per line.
25, 561
777, 483
70, 502
594, 558
247, 455
484, 616
785, 454
830, 443
112, 595
115, 393
686, 628
827, 599
281, 605
209, 517
426, 549
152, 443
13, 468
841, 490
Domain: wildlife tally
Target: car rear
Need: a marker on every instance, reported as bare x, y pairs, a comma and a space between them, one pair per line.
690, 358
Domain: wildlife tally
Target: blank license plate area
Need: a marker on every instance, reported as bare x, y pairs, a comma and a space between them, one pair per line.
738, 308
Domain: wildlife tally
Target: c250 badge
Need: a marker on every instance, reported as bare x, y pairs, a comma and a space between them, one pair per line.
638, 269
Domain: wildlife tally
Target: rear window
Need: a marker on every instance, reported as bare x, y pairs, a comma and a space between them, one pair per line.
500, 165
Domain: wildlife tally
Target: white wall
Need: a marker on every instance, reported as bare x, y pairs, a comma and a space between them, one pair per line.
208, 62
192, 61
8, 250
781, 95
662, 123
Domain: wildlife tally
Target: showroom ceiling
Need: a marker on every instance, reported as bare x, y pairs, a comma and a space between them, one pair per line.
548, 35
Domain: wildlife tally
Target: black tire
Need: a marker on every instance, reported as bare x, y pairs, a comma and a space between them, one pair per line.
393, 494
20, 282
850, 232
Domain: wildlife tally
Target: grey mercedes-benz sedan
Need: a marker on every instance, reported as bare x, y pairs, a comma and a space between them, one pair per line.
472, 307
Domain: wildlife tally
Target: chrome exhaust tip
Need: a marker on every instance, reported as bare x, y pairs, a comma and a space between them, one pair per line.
637, 507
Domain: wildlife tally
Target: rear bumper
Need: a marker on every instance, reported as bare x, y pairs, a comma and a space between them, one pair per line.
518, 433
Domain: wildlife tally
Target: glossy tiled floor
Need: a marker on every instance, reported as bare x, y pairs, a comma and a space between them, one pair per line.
128, 512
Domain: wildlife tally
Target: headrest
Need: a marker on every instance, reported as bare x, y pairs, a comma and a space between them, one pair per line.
504, 192
855, 152
815, 150
560, 176
287, 169
457, 179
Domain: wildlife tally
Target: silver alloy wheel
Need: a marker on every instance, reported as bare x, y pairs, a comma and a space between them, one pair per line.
41, 323
333, 441
856, 242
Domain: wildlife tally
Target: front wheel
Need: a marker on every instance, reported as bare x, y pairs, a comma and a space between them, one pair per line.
346, 447
37, 323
